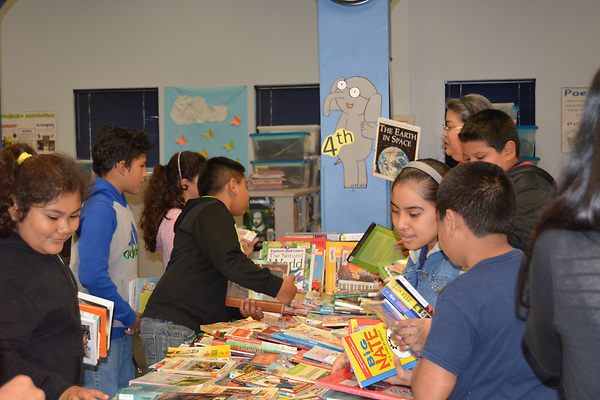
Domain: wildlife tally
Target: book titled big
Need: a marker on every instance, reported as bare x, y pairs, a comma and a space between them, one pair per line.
370, 356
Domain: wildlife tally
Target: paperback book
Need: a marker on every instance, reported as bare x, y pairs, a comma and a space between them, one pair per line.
297, 254
190, 366
371, 358
306, 373
396, 145
140, 290
345, 381
285, 386
376, 248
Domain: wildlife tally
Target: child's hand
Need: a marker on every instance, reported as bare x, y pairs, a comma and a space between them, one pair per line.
411, 333
248, 309
400, 246
137, 325
21, 387
288, 290
248, 247
402, 377
341, 362
79, 393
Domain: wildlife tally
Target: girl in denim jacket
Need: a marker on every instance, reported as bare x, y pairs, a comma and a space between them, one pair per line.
413, 213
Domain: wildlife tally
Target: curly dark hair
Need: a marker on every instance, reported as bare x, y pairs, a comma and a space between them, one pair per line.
38, 180
165, 192
115, 144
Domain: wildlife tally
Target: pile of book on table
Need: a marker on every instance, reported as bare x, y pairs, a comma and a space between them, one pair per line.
279, 357
266, 179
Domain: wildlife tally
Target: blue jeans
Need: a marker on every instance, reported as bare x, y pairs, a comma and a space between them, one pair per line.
115, 371
158, 335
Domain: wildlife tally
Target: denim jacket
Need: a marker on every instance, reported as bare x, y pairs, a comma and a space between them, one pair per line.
430, 273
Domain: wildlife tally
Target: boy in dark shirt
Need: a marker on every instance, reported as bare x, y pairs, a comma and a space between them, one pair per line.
474, 345
491, 135
206, 255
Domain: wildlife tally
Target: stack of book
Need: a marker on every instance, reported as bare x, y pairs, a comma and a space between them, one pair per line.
96, 323
225, 362
266, 179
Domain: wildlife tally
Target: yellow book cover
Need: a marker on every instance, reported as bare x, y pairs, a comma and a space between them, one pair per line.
220, 352
336, 257
371, 356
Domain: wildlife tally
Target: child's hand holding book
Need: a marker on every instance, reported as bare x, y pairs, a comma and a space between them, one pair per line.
411, 333
288, 290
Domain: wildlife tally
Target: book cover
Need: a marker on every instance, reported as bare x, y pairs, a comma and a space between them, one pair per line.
109, 305
396, 145
168, 379
220, 352
140, 290
313, 336
376, 248
190, 366
262, 346
401, 280
297, 254
140, 391
322, 354
401, 305
300, 359
306, 373
260, 218
243, 367
336, 257
91, 344
345, 381
370, 356
263, 379
237, 293
101, 312
317, 273
357, 324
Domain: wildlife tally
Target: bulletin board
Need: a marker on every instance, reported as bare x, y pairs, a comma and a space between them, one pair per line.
211, 121
36, 128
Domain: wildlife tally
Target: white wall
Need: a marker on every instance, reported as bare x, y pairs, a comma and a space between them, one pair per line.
49, 48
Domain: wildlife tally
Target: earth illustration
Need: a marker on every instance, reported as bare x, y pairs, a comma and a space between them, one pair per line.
391, 161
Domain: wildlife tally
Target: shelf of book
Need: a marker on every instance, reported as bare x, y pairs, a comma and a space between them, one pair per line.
296, 210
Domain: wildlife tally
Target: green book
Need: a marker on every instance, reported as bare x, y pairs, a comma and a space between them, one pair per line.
376, 248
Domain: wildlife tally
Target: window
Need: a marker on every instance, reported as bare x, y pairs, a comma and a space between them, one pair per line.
130, 108
288, 105
521, 92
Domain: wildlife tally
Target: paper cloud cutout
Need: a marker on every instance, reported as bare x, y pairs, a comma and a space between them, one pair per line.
194, 110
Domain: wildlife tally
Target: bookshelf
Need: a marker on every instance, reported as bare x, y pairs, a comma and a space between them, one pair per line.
296, 210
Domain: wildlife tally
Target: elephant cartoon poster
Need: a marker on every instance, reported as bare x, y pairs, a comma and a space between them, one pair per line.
356, 128
354, 92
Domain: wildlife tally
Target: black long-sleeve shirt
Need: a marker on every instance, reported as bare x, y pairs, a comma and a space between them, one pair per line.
206, 254
40, 325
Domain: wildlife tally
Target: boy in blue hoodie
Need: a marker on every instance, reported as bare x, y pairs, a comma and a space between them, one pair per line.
105, 247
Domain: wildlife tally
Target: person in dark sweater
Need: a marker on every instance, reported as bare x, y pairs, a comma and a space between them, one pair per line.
206, 254
491, 135
40, 326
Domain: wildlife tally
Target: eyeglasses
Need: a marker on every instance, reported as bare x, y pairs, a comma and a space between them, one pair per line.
447, 128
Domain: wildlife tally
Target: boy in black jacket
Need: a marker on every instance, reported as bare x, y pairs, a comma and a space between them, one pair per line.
206, 254
491, 135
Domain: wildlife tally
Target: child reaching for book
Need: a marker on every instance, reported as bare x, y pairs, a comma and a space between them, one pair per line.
41, 335
169, 189
206, 255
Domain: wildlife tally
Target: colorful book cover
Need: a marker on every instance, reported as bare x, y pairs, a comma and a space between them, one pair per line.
306, 373
313, 336
90, 325
322, 354
300, 359
167, 379
370, 356
190, 366
345, 381
396, 144
376, 248
415, 294
263, 379
140, 290
297, 254
357, 324
221, 352
101, 312
109, 305
336, 256
320, 245
260, 218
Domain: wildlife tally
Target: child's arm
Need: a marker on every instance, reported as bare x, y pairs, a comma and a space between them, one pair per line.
430, 381
288, 290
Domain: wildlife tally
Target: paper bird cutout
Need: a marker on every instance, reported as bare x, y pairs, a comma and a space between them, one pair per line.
181, 141
236, 121
208, 134
204, 153
228, 146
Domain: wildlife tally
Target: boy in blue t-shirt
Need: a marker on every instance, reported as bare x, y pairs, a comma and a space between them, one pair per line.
474, 346
105, 247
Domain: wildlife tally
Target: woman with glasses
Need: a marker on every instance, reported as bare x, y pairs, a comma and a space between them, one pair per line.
457, 113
